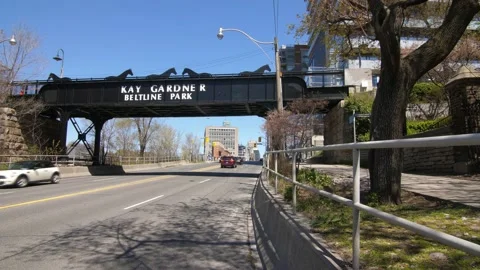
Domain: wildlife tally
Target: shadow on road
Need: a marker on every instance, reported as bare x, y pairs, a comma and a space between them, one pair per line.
195, 234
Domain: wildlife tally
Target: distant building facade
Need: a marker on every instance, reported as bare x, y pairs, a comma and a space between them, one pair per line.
226, 135
294, 57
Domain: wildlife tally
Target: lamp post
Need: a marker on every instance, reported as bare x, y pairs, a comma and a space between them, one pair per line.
277, 60
58, 58
11, 40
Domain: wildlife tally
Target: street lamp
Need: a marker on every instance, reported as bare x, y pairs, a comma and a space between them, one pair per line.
58, 58
11, 40
277, 60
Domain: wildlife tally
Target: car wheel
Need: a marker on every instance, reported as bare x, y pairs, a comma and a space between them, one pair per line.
21, 182
55, 179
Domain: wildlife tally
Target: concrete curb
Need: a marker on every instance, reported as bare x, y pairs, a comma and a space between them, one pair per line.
113, 170
283, 239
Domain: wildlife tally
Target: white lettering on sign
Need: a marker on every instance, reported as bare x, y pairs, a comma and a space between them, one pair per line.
178, 92
142, 97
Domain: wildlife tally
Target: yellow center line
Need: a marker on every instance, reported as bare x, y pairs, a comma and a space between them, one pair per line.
206, 168
152, 179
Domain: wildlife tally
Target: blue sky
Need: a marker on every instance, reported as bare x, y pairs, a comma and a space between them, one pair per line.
103, 38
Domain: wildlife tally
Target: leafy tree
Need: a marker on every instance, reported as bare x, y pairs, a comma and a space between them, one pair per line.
385, 22
429, 99
360, 103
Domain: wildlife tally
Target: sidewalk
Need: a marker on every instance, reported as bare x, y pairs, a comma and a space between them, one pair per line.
447, 188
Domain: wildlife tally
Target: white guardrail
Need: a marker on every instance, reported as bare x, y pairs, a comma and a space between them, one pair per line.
442, 141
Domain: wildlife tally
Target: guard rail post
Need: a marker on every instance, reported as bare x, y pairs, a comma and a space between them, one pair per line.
356, 211
276, 172
268, 167
294, 180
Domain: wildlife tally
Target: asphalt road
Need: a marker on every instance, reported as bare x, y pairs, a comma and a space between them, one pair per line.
185, 217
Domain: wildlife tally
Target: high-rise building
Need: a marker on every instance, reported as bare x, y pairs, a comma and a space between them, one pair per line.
293, 57
226, 135
242, 151
362, 65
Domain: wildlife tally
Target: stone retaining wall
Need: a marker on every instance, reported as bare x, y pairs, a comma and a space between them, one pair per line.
429, 159
11, 138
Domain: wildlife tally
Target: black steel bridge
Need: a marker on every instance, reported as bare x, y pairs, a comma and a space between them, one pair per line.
167, 95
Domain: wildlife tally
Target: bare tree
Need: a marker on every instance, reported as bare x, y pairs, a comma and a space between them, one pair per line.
22, 62
145, 128
191, 147
165, 141
303, 119
386, 21
124, 136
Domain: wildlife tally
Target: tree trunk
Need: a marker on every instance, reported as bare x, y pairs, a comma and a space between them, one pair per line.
385, 165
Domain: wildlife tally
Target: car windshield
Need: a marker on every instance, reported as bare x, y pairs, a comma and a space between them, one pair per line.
21, 165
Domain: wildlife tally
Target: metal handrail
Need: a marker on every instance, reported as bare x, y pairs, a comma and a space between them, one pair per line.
444, 238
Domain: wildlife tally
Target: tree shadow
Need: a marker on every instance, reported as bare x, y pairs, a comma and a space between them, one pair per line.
198, 234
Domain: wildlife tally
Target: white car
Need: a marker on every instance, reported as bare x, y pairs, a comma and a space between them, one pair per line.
22, 173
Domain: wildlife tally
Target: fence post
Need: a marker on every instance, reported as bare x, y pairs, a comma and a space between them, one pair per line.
276, 171
56, 160
294, 180
268, 168
356, 212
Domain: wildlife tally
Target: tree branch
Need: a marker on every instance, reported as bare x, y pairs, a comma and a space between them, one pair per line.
439, 46
407, 3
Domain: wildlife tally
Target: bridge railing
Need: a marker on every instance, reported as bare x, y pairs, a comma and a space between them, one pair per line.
444, 238
83, 160
58, 160
134, 160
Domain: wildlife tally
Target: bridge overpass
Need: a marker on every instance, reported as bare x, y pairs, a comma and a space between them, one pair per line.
166, 95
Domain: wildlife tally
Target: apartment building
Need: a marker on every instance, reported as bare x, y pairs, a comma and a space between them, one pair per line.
226, 135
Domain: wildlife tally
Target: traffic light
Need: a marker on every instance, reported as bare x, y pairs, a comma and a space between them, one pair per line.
255, 145
259, 139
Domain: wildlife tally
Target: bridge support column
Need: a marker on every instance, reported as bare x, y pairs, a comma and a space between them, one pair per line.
98, 123
64, 117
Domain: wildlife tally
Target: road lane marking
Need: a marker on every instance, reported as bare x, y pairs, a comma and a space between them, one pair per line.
205, 181
97, 189
137, 204
3, 193
87, 191
105, 179
206, 168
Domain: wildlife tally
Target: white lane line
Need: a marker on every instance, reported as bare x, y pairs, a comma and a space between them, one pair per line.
205, 181
3, 193
137, 204
105, 179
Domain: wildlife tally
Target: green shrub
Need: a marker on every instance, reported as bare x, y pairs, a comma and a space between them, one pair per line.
3, 166
288, 193
314, 178
415, 127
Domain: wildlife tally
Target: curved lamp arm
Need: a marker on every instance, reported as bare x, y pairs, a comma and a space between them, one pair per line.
11, 40
257, 42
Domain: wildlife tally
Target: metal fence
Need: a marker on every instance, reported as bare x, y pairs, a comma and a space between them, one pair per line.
438, 141
133, 160
68, 160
